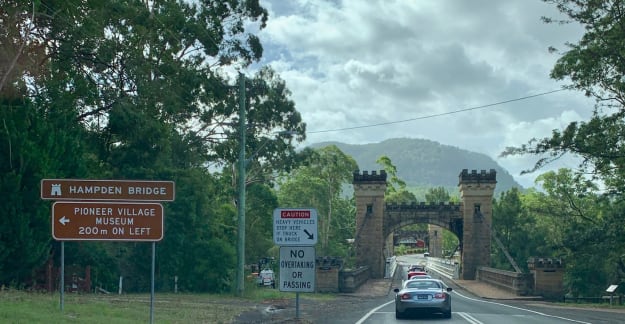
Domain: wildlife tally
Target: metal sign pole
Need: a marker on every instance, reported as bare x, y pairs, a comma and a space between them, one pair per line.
297, 305
62, 288
152, 283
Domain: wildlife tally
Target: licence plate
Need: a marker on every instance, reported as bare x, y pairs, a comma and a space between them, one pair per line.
423, 296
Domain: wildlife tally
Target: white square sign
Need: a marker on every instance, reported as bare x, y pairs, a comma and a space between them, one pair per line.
295, 226
297, 268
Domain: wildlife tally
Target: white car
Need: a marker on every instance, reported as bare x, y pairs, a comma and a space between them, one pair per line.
266, 278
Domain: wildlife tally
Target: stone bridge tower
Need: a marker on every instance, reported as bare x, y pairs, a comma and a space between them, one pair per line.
470, 220
369, 241
476, 194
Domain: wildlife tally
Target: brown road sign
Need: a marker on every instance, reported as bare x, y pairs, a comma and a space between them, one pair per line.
126, 190
107, 221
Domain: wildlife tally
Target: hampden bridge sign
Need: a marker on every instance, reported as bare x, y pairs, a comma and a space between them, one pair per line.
470, 220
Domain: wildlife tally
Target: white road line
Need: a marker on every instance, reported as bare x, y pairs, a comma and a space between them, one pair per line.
364, 318
519, 308
469, 318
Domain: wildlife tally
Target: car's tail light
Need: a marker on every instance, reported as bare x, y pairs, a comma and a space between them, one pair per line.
405, 296
439, 296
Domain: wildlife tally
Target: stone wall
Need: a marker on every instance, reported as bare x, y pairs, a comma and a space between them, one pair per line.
548, 276
351, 279
518, 283
327, 280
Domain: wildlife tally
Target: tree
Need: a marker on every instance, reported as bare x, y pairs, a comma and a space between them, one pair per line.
134, 90
594, 66
396, 191
437, 195
35, 143
319, 185
572, 218
518, 230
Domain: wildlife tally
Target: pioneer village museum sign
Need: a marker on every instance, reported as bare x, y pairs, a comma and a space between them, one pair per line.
102, 221
107, 210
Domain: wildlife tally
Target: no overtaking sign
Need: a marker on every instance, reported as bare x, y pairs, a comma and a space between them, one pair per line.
297, 268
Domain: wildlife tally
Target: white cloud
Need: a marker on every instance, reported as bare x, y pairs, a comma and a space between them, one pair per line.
352, 63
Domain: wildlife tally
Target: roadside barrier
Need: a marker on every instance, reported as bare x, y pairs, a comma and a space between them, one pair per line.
444, 267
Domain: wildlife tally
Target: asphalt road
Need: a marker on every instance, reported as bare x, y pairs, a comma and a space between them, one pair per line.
376, 305
468, 308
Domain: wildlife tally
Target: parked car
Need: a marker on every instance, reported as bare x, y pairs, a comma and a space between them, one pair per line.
423, 295
266, 278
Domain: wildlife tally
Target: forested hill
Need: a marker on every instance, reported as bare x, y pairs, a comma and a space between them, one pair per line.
423, 162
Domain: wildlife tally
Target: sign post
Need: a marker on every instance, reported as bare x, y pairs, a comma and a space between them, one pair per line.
295, 231
107, 210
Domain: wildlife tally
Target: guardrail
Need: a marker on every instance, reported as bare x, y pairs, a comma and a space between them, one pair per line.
391, 265
612, 300
445, 267
515, 282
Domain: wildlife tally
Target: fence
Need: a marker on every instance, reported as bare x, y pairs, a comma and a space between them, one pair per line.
613, 300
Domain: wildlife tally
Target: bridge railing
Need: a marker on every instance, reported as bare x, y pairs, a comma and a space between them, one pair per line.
516, 282
445, 267
391, 265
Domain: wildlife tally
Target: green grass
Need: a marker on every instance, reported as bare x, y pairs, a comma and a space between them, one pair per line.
25, 307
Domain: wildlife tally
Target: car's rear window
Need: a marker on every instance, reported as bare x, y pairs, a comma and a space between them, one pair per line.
423, 284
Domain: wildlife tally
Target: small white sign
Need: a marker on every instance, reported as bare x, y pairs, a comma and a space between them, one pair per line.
295, 226
297, 268
612, 288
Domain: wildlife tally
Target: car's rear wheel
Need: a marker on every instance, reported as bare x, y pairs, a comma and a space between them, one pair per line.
399, 315
447, 314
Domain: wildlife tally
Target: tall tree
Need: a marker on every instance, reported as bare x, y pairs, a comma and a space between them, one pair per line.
138, 90
595, 66
574, 226
32, 145
319, 185
396, 191
437, 195
518, 230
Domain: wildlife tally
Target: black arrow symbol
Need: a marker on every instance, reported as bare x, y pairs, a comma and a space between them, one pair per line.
310, 236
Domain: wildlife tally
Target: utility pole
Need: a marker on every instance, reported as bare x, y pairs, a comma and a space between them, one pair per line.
241, 202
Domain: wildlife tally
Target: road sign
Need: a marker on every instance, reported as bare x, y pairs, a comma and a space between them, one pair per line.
297, 268
107, 221
295, 226
127, 190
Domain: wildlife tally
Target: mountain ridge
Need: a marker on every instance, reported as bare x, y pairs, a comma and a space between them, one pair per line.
422, 162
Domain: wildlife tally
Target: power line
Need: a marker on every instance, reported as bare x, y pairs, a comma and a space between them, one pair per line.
436, 115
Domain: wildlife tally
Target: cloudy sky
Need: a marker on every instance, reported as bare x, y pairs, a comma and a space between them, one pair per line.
471, 74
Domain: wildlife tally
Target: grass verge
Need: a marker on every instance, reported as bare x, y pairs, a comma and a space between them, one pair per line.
25, 307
